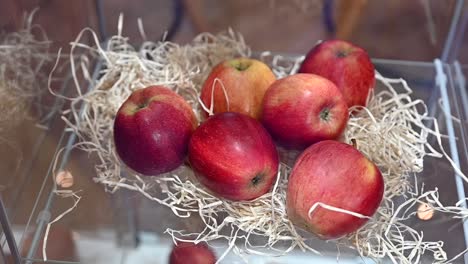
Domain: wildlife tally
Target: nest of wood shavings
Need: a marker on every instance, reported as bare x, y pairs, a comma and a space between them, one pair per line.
391, 127
22, 55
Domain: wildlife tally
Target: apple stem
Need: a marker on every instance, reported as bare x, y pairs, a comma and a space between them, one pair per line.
325, 114
354, 142
255, 180
142, 105
341, 54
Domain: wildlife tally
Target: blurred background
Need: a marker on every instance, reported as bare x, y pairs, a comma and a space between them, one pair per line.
398, 29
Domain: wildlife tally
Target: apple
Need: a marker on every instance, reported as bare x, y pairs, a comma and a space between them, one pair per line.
185, 252
233, 156
336, 174
302, 109
152, 130
345, 64
239, 85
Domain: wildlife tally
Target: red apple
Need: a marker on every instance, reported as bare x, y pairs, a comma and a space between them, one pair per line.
185, 252
302, 109
243, 81
338, 175
234, 156
152, 130
345, 64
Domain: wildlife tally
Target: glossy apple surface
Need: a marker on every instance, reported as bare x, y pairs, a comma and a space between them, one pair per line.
152, 130
237, 85
234, 156
338, 175
302, 109
190, 253
346, 65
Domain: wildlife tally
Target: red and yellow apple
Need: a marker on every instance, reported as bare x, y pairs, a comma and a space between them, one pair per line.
346, 65
237, 85
302, 109
185, 252
338, 175
152, 130
233, 156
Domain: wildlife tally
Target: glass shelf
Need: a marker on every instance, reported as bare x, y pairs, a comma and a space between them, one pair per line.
24, 151
125, 227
